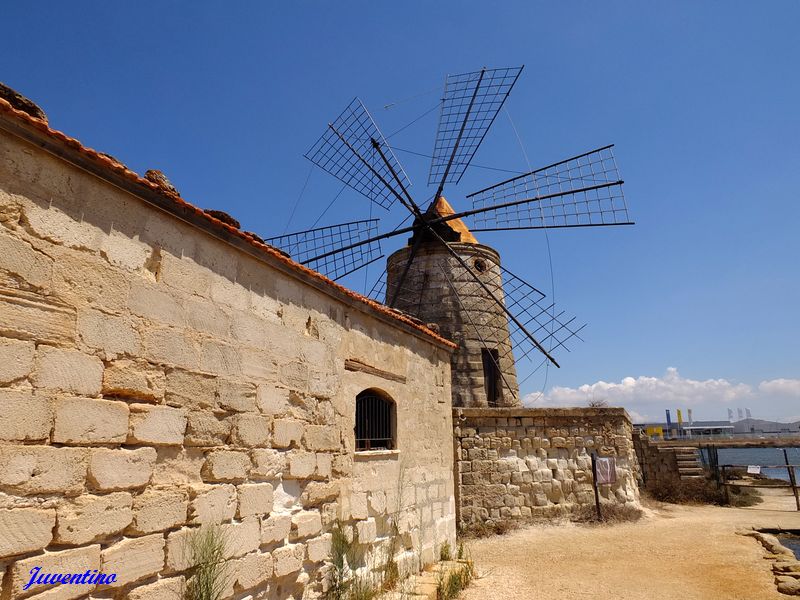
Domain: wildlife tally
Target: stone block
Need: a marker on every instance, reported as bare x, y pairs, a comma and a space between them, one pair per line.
271, 400
16, 359
18, 258
76, 560
158, 510
317, 493
318, 549
24, 417
241, 538
170, 346
31, 316
43, 469
90, 421
163, 589
134, 559
324, 466
67, 371
289, 559
253, 570
268, 463
24, 530
204, 428
136, 380
212, 504
236, 396
251, 430
275, 529
156, 425
255, 499
121, 469
302, 465
178, 550
320, 438
113, 336
157, 303
367, 531
287, 433
306, 523
226, 465
186, 389
93, 518
358, 505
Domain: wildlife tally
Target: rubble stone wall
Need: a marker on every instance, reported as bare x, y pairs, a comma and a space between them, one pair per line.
154, 378
517, 464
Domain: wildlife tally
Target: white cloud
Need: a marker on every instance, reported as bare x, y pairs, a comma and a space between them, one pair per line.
645, 397
781, 387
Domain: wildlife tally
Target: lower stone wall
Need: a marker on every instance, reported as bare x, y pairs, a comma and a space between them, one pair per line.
517, 464
658, 467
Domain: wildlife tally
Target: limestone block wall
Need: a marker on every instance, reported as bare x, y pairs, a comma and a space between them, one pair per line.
154, 378
522, 463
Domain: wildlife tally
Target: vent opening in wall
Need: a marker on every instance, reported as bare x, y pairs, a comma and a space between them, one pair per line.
480, 265
375, 421
491, 375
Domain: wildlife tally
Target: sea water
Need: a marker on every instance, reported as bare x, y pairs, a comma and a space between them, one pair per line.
760, 456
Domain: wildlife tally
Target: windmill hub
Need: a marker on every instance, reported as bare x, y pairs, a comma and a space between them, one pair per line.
454, 230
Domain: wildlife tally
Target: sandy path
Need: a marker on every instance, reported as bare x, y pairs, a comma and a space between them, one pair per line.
676, 553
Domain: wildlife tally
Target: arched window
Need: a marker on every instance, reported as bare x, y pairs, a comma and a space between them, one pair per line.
375, 421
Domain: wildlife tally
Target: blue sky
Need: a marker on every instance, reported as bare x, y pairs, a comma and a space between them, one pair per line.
700, 98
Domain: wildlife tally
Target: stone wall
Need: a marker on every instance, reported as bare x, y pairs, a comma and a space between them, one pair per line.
154, 378
664, 465
525, 463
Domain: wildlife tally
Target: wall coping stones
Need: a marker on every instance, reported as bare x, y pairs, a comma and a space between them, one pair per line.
569, 413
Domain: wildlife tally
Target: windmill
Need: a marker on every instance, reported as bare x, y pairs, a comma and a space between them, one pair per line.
444, 276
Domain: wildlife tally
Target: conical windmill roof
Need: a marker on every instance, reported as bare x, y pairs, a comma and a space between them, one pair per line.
441, 208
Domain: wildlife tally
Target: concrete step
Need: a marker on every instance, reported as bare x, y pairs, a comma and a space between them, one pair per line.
691, 473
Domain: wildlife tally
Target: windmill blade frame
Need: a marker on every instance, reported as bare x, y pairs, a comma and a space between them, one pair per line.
580, 191
303, 246
531, 308
470, 104
343, 151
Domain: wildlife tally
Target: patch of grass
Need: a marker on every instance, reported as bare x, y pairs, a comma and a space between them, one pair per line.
209, 573
451, 583
445, 552
741, 496
482, 529
612, 514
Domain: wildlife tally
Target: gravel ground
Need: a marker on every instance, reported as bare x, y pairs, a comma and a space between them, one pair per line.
674, 553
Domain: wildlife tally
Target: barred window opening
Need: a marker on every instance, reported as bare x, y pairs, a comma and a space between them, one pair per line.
374, 421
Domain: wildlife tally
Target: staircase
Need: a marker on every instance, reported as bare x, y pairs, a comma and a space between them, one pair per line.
689, 465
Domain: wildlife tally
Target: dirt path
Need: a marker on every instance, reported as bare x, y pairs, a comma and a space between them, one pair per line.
675, 553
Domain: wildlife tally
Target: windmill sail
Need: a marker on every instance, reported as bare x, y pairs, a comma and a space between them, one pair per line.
531, 310
585, 190
319, 248
346, 150
551, 327
470, 104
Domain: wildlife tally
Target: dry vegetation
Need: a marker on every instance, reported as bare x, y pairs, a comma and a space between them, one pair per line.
705, 491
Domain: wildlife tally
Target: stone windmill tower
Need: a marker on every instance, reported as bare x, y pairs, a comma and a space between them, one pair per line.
436, 289
443, 275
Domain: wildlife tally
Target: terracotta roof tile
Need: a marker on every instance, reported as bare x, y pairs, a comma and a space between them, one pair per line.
119, 168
